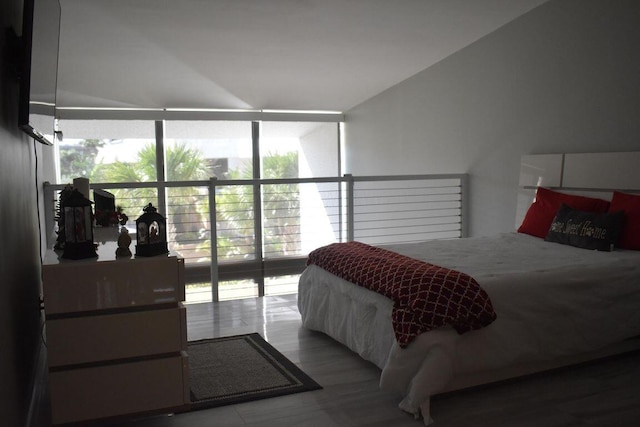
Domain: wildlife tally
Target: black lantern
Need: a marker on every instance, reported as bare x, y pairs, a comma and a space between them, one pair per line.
151, 233
78, 227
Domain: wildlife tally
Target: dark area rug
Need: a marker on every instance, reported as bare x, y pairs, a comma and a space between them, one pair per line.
229, 370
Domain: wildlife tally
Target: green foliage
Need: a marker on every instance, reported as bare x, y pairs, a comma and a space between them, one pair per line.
235, 220
142, 170
79, 161
281, 211
279, 166
182, 163
188, 207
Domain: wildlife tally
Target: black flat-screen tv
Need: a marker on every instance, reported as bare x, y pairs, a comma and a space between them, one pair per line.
39, 69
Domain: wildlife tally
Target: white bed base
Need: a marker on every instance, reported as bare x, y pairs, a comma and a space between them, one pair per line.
466, 381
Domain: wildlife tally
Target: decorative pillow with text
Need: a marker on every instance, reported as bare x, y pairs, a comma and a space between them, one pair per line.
588, 230
542, 211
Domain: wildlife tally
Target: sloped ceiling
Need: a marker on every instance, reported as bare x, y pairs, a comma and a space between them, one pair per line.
259, 54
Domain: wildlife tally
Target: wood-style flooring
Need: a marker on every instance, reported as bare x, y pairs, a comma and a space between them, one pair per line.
605, 393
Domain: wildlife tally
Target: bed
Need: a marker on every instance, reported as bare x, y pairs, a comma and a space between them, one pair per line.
555, 303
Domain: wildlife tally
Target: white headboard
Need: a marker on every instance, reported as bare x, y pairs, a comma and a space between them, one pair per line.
590, 174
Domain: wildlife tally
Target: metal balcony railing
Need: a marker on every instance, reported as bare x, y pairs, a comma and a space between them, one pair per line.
265, 228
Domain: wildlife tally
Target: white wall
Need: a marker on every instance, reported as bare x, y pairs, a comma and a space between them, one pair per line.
318, 158
564, 77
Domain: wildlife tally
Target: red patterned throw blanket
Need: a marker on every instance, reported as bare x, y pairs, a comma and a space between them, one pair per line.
425, 296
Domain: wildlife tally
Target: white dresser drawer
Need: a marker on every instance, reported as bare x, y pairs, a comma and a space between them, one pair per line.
89, 285
77, 340
113, 390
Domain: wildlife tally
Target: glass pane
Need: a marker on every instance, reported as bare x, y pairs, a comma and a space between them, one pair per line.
196, 150
235, 223
298, 218
281, 285
281, 222
198, 292
237, 289
188, 225
299, 149
106, 151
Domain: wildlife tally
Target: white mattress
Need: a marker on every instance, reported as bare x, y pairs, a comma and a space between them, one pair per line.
551, 301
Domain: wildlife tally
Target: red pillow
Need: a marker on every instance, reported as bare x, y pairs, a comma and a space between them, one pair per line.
542, 211
630, 205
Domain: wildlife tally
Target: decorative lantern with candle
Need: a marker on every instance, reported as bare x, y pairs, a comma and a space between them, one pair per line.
151, 233
78, 227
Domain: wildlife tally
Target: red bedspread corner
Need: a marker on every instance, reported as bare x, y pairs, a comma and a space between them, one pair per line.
425, 296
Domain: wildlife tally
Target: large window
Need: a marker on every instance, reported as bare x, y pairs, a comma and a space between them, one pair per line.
197, 150
111, 151
293, 150
253, 223
102, 150
312, 146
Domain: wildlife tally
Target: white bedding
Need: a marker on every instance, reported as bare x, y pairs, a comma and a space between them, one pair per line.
551, 301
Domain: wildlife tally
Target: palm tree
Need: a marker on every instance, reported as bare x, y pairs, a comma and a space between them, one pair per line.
182, 164
281, 211
281, 205
188, 209
142, 170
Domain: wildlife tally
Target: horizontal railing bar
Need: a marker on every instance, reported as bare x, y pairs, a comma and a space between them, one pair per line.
277, 181
407, 177
274, 181
406, 203
402, 209
405, 210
